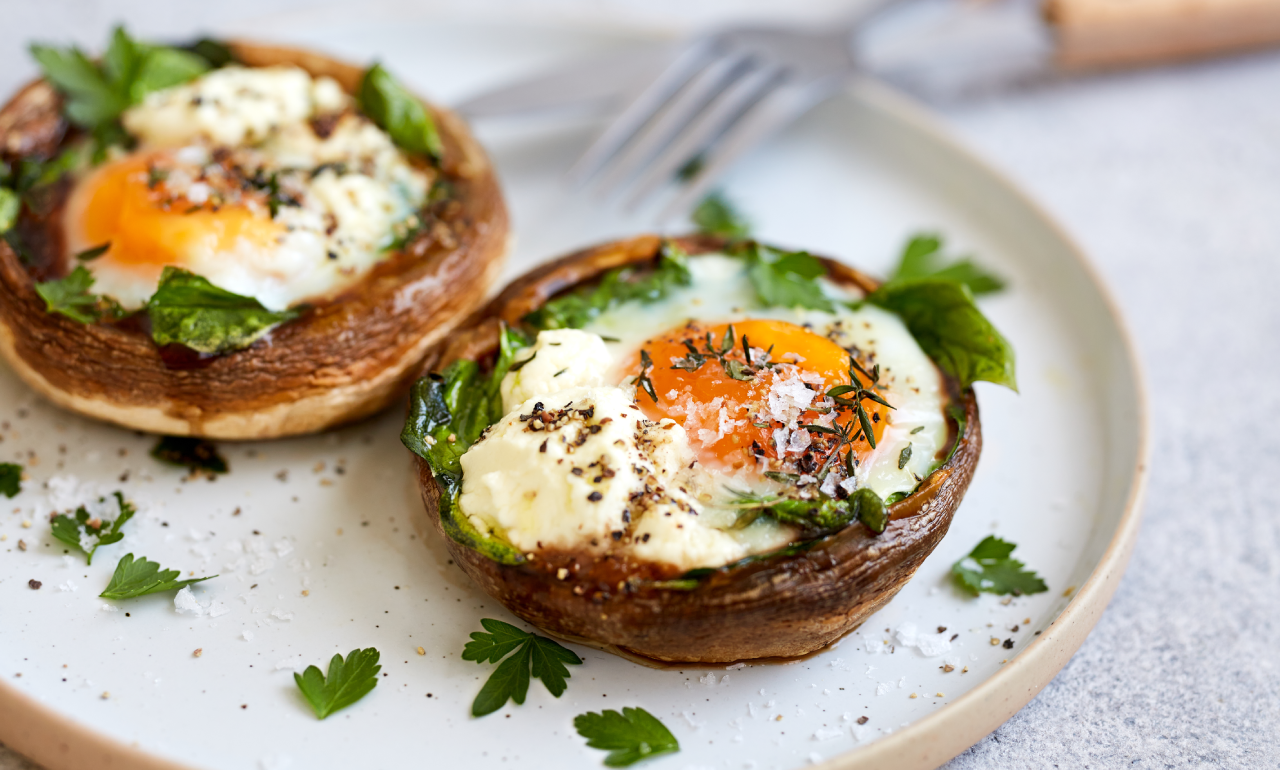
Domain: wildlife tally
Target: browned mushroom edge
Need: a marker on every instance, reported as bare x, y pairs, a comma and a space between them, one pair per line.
785, 604
346, 358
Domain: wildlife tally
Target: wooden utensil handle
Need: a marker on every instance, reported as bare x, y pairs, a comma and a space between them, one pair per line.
1108, 33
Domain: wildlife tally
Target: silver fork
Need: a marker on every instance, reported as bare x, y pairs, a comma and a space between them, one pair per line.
726, 91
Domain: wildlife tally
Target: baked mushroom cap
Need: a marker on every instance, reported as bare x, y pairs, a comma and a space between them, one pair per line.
786, 604
345, 358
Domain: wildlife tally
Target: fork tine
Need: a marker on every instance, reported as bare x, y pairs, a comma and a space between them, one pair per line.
675, 116
641, 109
703, 130
766, 116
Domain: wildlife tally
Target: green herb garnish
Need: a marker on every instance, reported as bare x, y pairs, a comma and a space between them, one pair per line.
97, 93
624, 284
347, 682
70, 297
189, 452
715, 215
815, 518
922, 259
10, 479
447, 413
786, 278
88, 255
944, 320
398, 112
188, 310
989, 568
141, 577
534, 655
629, 737
904, 457
215, 52
10, 205
72, 530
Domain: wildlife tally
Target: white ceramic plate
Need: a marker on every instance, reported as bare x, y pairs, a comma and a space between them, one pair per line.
316, 551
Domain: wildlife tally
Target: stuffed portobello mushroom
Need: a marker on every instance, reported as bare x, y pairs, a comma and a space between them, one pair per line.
234, 240
701, 450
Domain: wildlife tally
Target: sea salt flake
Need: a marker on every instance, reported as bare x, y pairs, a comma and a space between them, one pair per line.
185, 602
929, 645
246, 635
281, 614
826, 733
883, 688
69, 586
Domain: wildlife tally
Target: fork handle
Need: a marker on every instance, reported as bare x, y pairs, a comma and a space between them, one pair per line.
1108, 33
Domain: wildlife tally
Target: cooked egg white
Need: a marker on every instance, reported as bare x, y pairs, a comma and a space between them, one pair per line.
264, 181
707, 438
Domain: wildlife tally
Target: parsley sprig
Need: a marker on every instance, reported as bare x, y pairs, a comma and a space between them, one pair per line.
140, 577
716, 215
530, 654
97, 93
70, 296
785, 278
629, 737
10, 479
990, 568
348, 681
71, 530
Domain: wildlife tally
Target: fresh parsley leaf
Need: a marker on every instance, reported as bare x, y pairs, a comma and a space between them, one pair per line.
90, 99
188, 310
398, 112
629, 737
624, 284
535, 656
715, 215
77, 529
786, 278
989, 568
944, 320
347, 682
10, 205
141, 577
447, 413
10, 479
922, 259
70, 296
96, 94
195, 454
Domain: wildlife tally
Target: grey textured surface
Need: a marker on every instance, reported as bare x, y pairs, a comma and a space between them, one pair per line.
1170, 179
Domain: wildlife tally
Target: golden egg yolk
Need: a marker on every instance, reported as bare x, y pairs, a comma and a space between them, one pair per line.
680, 392
125, 203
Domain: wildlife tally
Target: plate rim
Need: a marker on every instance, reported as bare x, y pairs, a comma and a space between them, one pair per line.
58, 742
946, 733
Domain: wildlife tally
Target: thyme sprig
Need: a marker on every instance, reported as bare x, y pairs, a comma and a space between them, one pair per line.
642, 380
721, 352
852, 396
